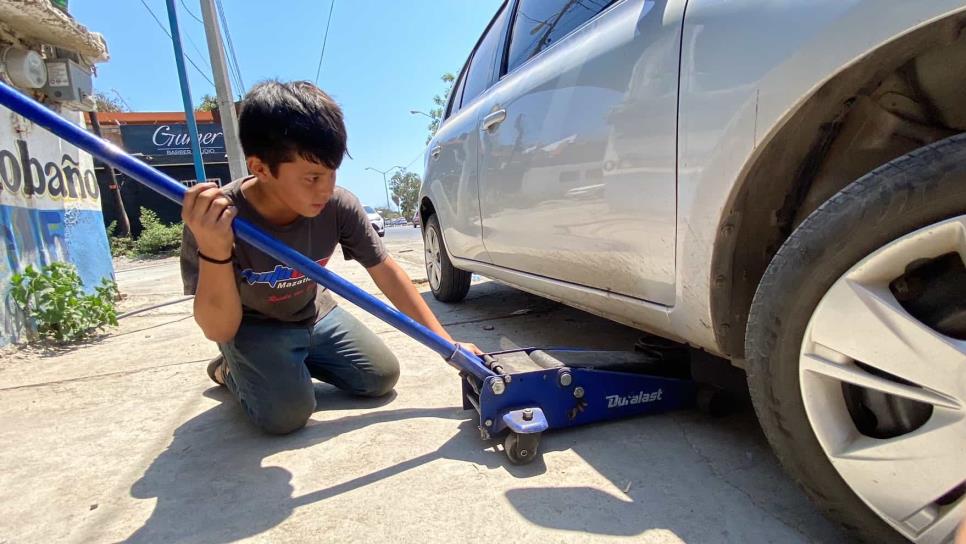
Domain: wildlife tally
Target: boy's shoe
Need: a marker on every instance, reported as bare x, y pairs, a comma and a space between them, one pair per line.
218, 370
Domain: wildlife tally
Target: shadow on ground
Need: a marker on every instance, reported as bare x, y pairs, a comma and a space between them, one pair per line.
671, 471
703, 479
211, 486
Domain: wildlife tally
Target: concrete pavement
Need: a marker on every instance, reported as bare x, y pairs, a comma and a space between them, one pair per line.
126, 439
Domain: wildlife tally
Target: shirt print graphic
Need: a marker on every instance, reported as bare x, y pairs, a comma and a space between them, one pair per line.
281, 277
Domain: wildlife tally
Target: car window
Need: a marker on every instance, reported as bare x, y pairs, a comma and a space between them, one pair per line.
540, 23
455, 96
368, 209
481, 67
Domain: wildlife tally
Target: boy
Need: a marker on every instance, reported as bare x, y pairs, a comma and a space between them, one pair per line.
277, 329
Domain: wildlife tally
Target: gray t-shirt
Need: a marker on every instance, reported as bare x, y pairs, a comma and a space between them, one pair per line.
273, 291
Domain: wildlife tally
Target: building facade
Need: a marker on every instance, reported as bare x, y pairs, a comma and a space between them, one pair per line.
50, 200
161, 140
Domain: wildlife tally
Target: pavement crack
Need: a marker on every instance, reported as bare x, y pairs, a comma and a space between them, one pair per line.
98, 376
717, 474
465, 322
484, 319
125, 333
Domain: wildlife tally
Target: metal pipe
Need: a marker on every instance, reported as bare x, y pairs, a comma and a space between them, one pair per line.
189, 108
457, 356
123, 221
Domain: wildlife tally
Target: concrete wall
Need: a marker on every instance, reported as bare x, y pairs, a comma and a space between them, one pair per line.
50, 210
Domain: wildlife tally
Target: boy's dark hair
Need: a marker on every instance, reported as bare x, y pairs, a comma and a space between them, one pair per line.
281, 120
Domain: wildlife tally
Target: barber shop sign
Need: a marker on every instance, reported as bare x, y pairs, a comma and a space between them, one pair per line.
170, 143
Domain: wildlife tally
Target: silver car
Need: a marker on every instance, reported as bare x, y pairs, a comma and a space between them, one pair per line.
782, 184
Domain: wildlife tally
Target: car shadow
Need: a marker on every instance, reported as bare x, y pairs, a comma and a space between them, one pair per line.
705, 478
702, 478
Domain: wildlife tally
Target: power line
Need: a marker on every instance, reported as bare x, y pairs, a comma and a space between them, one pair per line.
231, 46
325, 38
416, 158
197, 50
227, 44
194, 45
193, 16
236, 79
165, 30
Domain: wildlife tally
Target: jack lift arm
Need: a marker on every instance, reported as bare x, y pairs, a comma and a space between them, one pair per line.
519, 394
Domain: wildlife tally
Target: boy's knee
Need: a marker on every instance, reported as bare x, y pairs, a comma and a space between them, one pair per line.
285, 415
383, 378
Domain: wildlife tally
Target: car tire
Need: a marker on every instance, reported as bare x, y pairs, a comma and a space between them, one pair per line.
799, 406
448, 283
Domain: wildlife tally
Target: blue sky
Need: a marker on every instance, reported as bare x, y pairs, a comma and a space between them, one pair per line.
383, 58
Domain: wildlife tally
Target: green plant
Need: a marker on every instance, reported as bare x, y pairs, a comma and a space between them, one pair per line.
156, 237
54, 301
208, 103
120, 245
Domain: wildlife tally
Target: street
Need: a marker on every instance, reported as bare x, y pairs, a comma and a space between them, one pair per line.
126, 439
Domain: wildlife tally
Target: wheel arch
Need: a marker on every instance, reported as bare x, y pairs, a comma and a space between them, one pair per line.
890, 101
426, 209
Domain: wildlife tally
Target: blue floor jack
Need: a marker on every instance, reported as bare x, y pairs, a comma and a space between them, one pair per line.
532, 390
519, 394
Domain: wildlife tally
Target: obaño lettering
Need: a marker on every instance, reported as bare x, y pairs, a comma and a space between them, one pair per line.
21, 173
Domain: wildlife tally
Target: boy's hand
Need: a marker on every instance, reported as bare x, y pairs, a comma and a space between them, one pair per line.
471, 347
209, 213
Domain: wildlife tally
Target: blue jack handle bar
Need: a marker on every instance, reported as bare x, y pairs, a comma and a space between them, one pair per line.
456, 355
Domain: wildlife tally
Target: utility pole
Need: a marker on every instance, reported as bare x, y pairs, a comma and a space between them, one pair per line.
123, 221
189, 108
226, 105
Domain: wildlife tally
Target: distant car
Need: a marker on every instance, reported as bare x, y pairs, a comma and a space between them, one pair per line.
377, 221
782, 184
417, 220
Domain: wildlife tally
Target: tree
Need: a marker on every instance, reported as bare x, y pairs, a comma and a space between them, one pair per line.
106, 102
386, 213
208, 103
439, 106
405, 191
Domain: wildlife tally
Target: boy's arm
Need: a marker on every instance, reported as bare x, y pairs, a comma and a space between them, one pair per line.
396, 284
217, 306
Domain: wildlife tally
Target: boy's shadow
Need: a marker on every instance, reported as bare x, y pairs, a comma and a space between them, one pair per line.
211, 486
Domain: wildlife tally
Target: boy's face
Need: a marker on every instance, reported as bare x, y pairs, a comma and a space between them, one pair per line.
303, 186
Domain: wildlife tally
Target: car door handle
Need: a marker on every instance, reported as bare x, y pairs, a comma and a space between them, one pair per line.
436, 151
493, 120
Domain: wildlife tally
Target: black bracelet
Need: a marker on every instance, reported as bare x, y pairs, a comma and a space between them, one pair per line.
204, 257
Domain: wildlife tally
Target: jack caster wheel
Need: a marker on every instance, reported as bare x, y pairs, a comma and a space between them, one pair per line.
521, 448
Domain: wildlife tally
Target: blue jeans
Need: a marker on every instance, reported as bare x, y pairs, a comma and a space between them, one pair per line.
271, 365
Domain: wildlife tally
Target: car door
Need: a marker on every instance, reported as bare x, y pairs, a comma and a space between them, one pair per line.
452, 169
577, 145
